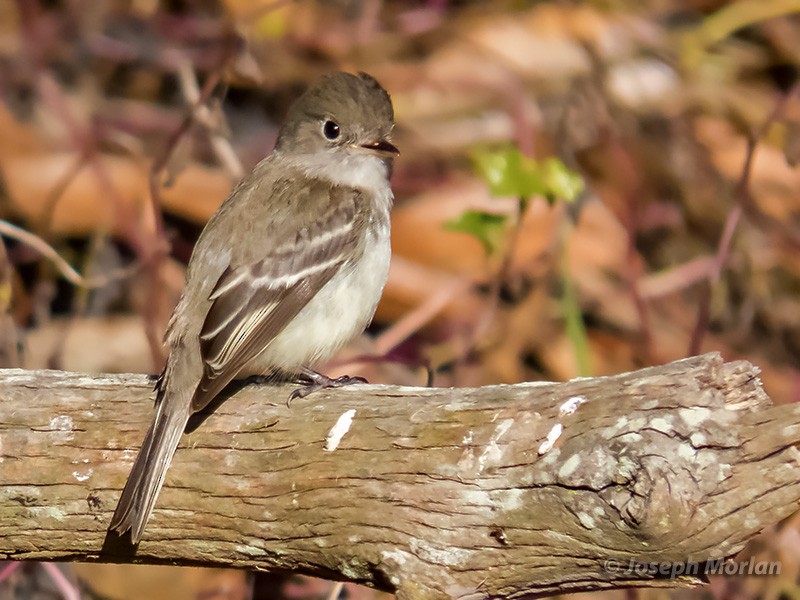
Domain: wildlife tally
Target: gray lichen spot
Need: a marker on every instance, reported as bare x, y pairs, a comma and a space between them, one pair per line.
47, 512
62, 427
789, 431
637, 423
508, 500
626, 468
477, 498
586, 520
449, 556
551, 456
706, 458
694, 416
396, 557
662, 424
250, 550
568, 468
354, 568
22, 493
631, 438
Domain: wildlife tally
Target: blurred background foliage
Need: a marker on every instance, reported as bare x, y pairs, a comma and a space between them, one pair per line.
584, 188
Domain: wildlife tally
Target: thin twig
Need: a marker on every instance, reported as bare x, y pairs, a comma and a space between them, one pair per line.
64, 585
155, 289
742, 196
8, 569
57, 192
67, 271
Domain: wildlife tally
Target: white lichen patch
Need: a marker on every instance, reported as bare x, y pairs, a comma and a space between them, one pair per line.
62, 426
551, 456
397, 557
552, 437
47, 512
698, 439
19, 491
492, 452
626, 467
83, 476
250, 550
569, 467
571, 405
507, 500
586, 520
694, 416
687, 452
338, 431
662, 424
706, 458
476, 498
630, 438
447, 556
637, 423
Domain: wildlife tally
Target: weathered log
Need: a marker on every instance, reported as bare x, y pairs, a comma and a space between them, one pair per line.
500, 491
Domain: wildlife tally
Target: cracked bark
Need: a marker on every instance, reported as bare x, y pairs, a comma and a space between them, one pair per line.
502, 491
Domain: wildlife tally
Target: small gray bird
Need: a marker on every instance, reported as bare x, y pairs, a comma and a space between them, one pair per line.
289, 269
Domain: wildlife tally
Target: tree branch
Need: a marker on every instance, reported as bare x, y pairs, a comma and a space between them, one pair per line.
501, 491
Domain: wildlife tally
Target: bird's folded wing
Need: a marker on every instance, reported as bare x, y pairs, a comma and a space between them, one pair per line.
252, 303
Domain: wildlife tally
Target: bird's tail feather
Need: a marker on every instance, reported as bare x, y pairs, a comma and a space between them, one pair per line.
147, 475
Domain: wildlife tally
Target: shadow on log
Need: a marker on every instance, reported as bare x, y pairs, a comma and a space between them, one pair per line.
501, 491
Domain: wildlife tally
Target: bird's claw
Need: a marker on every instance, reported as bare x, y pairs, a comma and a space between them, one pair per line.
313, 382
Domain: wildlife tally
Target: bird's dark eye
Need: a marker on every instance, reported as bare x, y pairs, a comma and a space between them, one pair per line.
331, 130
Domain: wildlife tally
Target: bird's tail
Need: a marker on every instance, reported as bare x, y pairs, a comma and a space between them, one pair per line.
149, 469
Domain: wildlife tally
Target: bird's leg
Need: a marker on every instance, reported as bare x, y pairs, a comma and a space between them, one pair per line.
313, 381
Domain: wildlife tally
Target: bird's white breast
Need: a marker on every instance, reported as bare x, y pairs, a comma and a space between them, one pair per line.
340, 311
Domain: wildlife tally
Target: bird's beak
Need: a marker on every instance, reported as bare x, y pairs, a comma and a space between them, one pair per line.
381, 148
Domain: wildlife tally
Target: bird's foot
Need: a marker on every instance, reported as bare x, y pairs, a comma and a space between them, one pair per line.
313, 382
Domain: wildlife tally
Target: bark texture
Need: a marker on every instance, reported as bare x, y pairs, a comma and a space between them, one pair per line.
502, 491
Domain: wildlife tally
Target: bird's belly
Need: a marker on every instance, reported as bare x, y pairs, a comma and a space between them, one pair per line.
340, 311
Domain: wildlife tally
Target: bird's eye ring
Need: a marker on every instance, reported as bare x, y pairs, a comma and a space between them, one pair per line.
331, 130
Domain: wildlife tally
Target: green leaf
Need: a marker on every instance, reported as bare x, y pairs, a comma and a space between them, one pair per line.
509, 173
487, 228
562, 183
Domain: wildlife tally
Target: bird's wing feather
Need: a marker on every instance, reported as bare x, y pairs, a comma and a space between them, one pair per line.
252, 303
